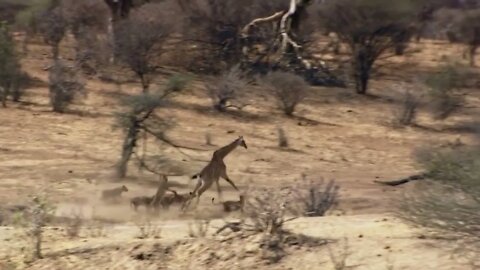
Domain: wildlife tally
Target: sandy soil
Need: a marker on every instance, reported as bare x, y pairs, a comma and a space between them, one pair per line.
335, 135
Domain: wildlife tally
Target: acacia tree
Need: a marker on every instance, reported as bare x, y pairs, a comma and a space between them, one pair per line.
370, 28
139, 40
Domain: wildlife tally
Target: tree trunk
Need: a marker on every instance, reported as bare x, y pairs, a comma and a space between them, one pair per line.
128, 147
145, 83
55, 51
37, 253
4, 92
471, 54
361, 70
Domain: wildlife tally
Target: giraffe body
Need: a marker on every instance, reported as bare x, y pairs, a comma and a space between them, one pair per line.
215, 170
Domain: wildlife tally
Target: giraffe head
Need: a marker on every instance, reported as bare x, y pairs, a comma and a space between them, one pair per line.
241, 142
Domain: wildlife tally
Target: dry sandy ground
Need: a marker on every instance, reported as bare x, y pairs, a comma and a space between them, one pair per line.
336, 135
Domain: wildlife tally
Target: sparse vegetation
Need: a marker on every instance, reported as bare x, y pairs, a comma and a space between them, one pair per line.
65, 86
289, 90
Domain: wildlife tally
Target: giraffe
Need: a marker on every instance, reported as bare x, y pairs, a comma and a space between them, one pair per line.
215, 169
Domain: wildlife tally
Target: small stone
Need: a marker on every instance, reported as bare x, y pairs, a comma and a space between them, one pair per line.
360, 236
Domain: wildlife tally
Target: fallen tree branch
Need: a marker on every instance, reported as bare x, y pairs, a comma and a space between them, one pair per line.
403, 180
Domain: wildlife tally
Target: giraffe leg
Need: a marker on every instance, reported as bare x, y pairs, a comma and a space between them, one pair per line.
225, 176
193, 194
219, 190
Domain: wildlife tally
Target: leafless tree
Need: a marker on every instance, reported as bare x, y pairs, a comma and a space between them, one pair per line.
139, 40
370, 28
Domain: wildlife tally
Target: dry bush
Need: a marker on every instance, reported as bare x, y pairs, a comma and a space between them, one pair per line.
33, 220
449, 203
288, 88
198, 228
407, 112
313, 198
226, 88
444, 100
139, 40
65, 86
266, 210
282, 138
147, 229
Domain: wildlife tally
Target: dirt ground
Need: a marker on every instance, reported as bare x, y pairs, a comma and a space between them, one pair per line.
335, 135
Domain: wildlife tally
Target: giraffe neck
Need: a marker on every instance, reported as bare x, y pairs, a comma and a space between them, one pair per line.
224, 151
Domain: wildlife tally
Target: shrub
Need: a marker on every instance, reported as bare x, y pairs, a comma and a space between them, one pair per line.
266, 210
226, 88
288, 88
177, 82
65, 86
442, 85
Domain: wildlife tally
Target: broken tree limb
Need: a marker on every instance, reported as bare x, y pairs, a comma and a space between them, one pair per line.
246, 29
403, 180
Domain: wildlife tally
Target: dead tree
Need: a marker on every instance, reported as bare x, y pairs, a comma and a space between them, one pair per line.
284, 50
